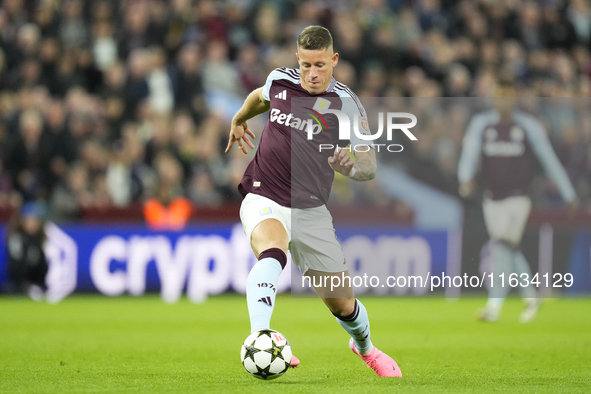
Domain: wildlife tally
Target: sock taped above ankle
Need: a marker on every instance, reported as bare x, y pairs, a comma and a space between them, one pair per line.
275, 253
350, 317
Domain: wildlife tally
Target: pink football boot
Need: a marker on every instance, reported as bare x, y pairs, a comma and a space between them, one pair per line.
382, 364
294, 362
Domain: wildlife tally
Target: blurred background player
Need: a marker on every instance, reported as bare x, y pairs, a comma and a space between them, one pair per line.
27, 264
279, 191
505, 140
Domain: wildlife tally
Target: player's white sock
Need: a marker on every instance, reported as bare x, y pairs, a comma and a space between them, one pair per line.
503, 264
522, 267
261, 287
357, 325
502, 255
495, 304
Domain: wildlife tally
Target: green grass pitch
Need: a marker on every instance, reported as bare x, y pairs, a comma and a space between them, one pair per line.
97, 344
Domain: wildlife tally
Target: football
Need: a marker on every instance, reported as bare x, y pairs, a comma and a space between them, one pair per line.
266, 354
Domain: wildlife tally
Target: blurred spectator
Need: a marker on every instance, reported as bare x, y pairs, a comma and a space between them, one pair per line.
9, 197
579, 15
557, 31
27, 157
71, 194
219, 75
73, 30
105, 46
189, 86
169, 210
458, 81
134, 34
137, 86
66, 75
159, 81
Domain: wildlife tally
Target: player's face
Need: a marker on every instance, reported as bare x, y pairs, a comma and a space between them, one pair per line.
504, 100
316, 68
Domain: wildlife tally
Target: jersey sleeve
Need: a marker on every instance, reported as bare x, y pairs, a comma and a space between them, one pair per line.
471, 146
358, 117
543, 149
274, 75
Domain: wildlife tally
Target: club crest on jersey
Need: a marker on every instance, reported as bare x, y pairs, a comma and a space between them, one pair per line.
516, 133
321, 103
490, 134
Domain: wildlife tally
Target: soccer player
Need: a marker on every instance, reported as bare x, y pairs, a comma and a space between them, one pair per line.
286, 183
27, 264
506, 139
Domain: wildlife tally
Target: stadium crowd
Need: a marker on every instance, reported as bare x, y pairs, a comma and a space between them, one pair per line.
111, 102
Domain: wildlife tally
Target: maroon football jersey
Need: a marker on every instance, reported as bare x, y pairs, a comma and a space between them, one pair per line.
507, 150
289, 168
507, 160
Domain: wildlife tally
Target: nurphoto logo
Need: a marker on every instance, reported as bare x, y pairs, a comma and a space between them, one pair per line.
363, 134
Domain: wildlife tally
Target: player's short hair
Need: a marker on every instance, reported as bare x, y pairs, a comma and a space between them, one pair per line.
505, 82
315, 37
505, 86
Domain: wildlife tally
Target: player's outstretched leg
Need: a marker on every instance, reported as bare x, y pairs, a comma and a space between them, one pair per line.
352, 316
261, 287
357, 325
269, 241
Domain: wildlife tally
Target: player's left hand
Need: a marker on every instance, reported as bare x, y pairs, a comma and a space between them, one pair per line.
467, 189
341, 161
572, 208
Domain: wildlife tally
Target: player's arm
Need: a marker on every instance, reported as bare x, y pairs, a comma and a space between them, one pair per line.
543, 149
363, 168
255, 104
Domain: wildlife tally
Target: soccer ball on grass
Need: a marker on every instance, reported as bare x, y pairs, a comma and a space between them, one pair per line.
266, 354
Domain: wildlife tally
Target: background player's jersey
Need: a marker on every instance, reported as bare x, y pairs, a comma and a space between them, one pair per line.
507, 151
287, 167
